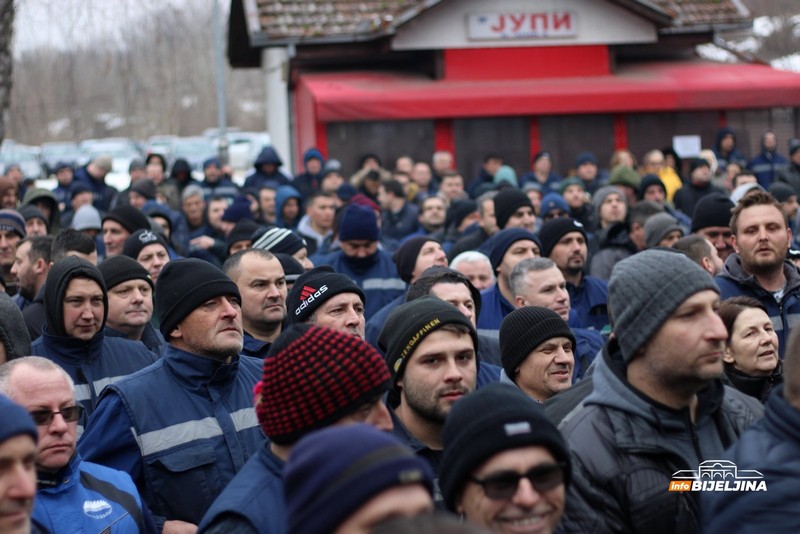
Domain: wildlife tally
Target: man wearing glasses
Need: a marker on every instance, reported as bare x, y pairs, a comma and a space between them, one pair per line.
73, 495
505, 466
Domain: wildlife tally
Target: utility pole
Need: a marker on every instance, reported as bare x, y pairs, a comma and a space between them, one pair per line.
219, 78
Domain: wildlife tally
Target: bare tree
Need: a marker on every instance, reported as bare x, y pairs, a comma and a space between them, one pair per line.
6, 60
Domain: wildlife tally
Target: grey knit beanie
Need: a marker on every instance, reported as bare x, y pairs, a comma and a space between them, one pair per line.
601, 194
658, 226
645, 289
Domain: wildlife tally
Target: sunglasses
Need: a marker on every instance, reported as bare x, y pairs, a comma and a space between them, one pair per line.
45, 417
503, 486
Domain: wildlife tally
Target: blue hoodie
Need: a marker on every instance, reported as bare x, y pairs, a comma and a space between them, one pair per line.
734, 155
307, 182
284, 193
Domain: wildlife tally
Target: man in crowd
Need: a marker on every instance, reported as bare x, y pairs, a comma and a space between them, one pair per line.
317, 224
398, 215
657, 388
505, 250
76, 311
18, 437
431, 218
768, 162
331, 488
323, 297
118, 225
701, 251
412, 259
130, 302
486, 226
758, 268
477, 267
711, 219
431, 349
313, 377
12, 230
513, 209
539, 282
262, 283
451, 187
31, 265
538, 352
182, 458
699, 186
505, 467
74, 495
94, 175
564, 241
371, 268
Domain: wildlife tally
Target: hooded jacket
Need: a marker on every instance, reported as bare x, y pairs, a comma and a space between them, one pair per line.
733, 282
34, 195
13, 334
772, 447
259, 178
625, 448
723, 158
282, 195
615, 245
306, 182
92, 364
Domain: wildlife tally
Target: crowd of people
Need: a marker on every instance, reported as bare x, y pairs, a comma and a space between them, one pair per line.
402, 349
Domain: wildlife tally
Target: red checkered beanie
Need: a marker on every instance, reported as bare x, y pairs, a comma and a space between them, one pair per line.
314, 376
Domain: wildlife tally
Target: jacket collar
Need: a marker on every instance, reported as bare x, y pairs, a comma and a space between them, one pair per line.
195, 372
73, 349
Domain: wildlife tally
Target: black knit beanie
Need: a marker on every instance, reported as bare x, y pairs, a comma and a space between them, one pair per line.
314, 376
458, 211
243, 231
185, 284
140, 239
526, 328
712, 210
292, 269
410, 323
507, 202
58, 279
129, 217
554, 229
314, 287
119, 269
405, 258
496, 418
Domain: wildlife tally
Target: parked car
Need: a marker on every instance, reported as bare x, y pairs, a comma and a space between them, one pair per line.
54, 153
195, 150
27, 157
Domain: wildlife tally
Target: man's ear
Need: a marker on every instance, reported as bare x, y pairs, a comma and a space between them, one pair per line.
39, 266
705, 263
735, 245
176, 332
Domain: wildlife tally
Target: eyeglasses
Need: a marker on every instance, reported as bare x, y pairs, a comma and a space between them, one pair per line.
503, 486
45, 417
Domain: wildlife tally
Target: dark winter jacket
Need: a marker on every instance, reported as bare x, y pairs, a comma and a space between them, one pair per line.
259, 178
734, 155
13, 335
180, 458
733, 282
687, 197
306, 182
87, 497
252, 502
625, 448
615, 245
282, 195
104, 195
151, 338
758, 387
772, 447
790, 175
766, 165
494, 308
589, 301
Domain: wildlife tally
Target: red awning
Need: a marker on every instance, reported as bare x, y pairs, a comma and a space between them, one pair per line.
666, 86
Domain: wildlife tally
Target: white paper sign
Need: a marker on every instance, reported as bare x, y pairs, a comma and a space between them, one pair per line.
687, 146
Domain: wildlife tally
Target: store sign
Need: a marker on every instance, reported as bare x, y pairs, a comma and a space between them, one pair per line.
520, 25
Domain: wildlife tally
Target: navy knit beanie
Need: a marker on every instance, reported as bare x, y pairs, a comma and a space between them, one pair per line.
15, 420
495, 248
140, 239
129, 217
358, 223
712, 210
332, 473
238, 210
553, 230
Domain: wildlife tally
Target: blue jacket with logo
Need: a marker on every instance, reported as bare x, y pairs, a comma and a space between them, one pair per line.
733, 282
255, 348
182, 428
93, 364
380, 282
254, 496
772, 447
589, 301
86, 497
